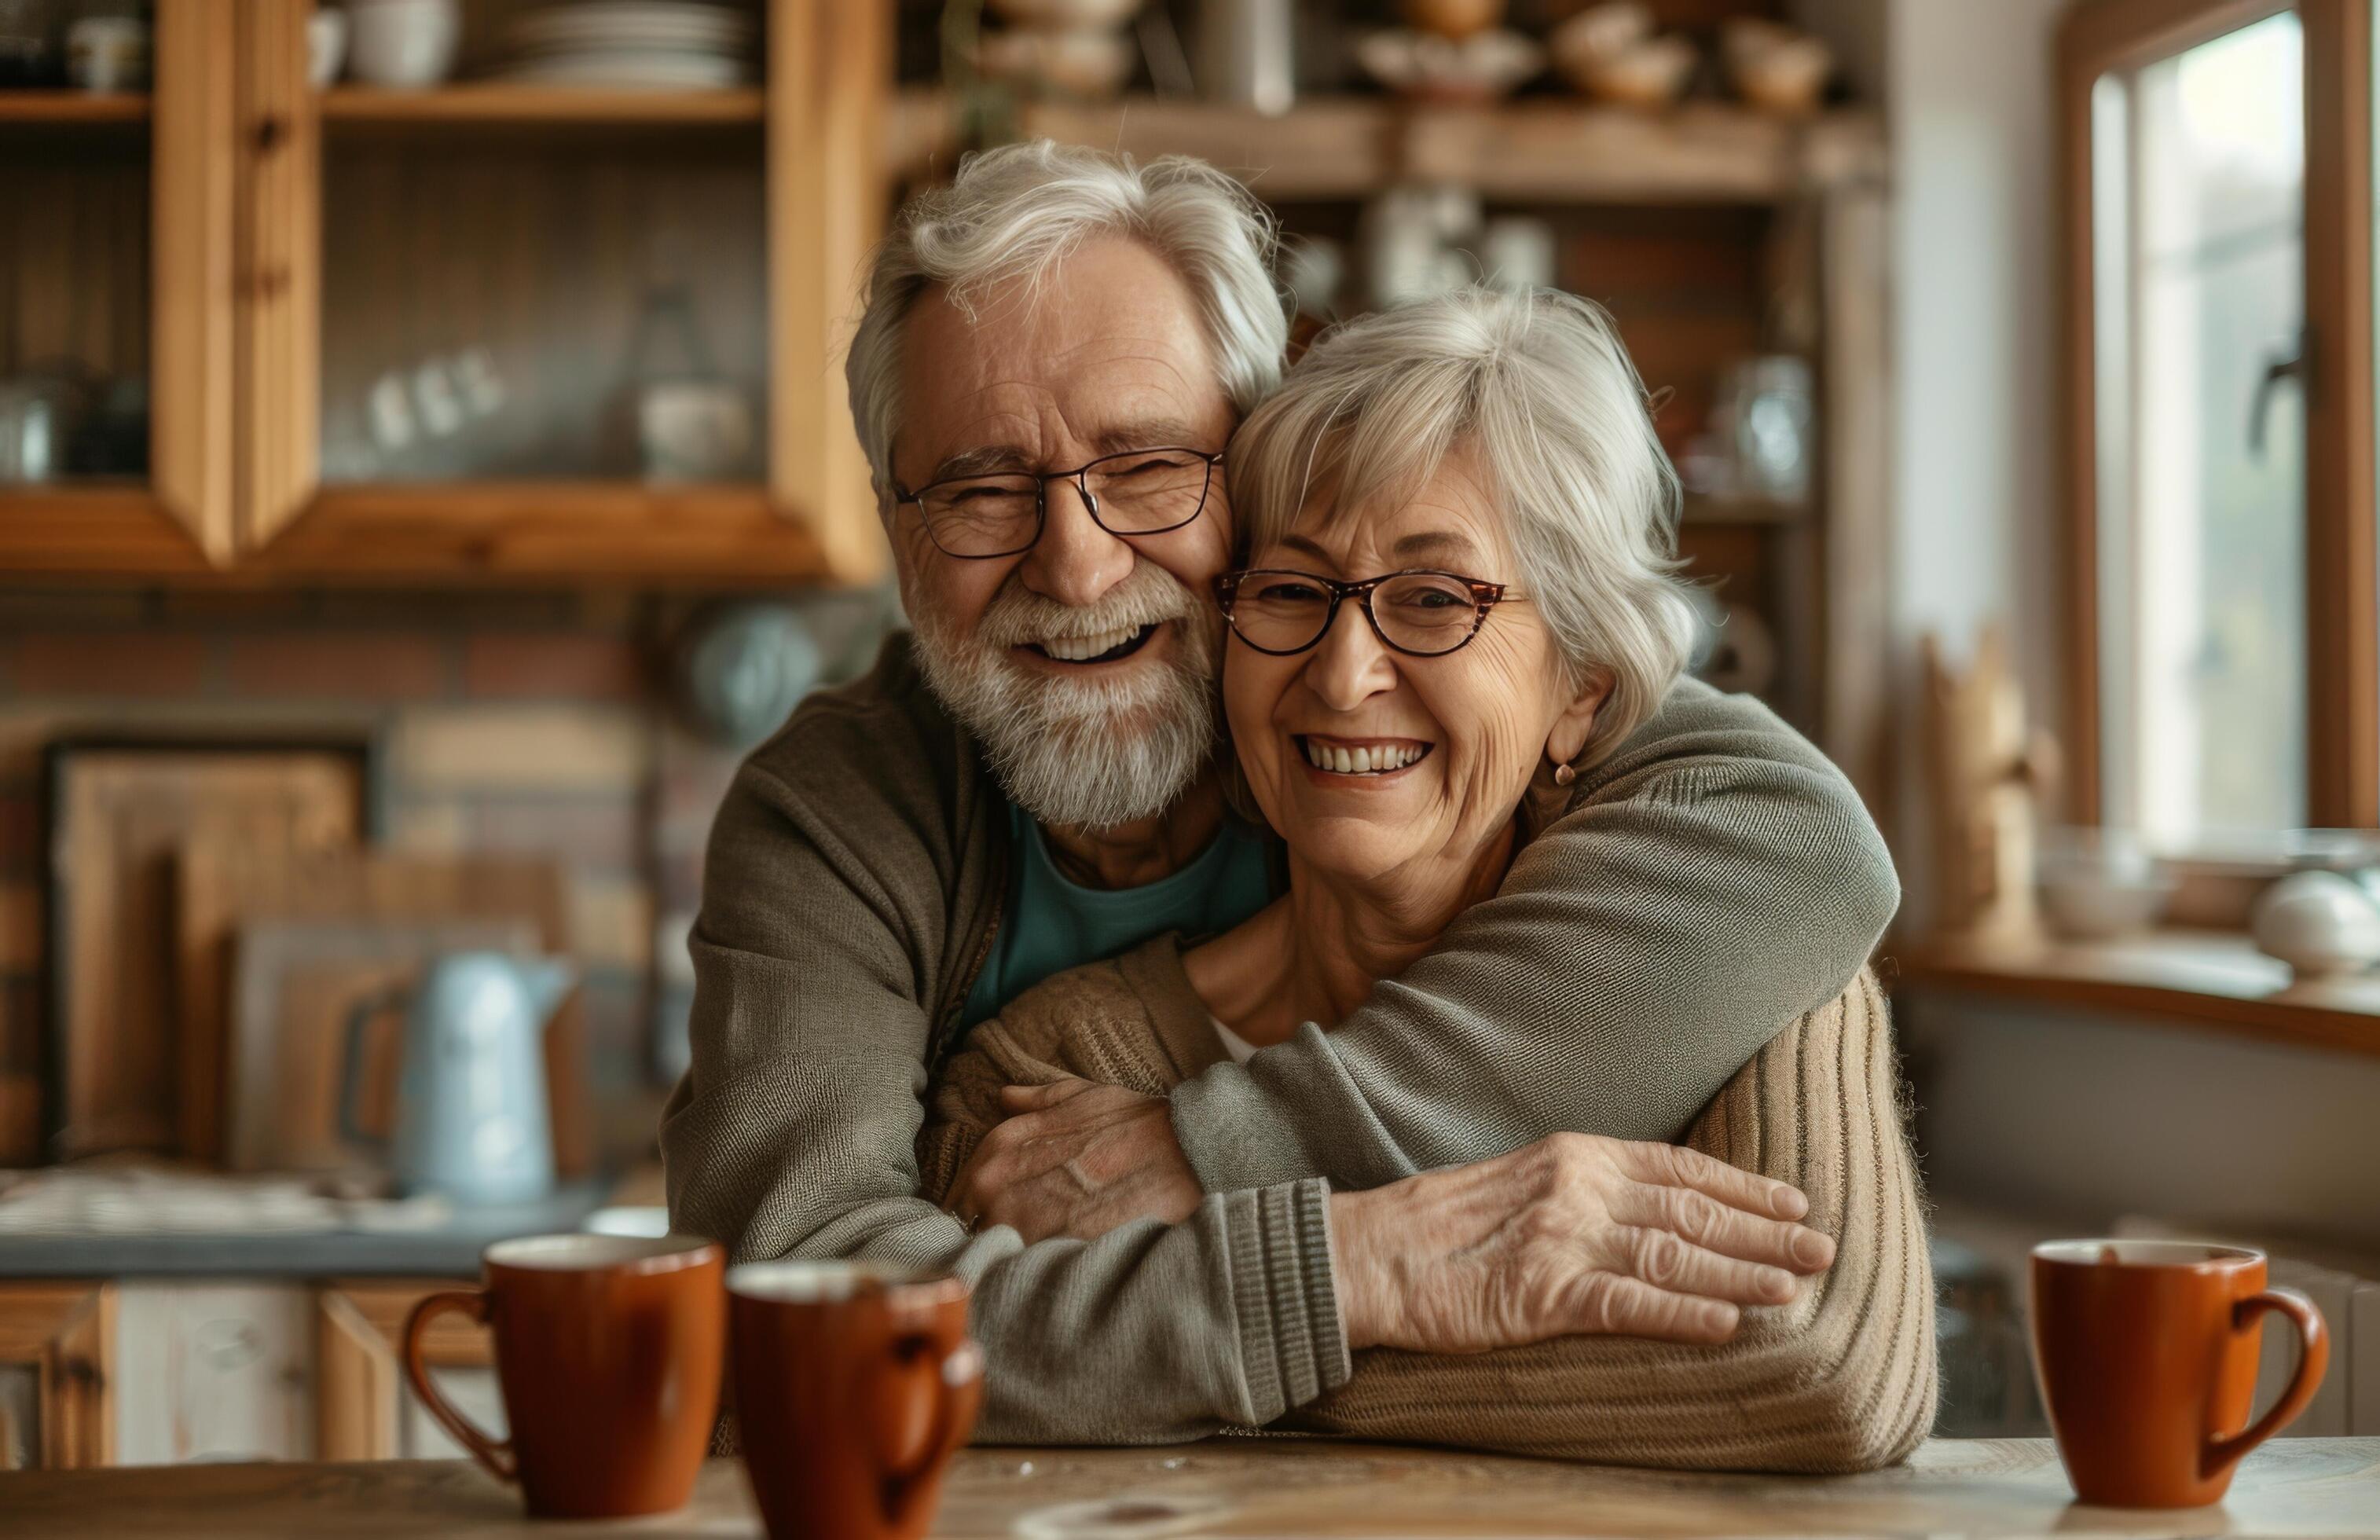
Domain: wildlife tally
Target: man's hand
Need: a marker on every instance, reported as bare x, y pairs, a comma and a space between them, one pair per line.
1077, 1159
1572, 1234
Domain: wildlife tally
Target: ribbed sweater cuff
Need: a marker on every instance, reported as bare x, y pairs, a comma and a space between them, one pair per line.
1292, 1345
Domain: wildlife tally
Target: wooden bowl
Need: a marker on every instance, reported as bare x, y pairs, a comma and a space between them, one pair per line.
1648, 76
1454, 19
1067, 15
1789, 78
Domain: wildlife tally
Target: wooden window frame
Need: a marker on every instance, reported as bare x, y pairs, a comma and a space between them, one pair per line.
2342, 627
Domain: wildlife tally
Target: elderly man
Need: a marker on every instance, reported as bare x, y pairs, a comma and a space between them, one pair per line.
1030, 782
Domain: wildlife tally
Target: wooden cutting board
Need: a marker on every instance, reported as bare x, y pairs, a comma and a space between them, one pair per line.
225, 886
118, 812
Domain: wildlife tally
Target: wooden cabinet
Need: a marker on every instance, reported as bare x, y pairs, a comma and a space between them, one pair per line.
172, 1371
364, 1407
318, 260
212, 1370
57, 1387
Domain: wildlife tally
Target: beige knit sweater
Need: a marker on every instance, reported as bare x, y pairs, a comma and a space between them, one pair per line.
1842, 1379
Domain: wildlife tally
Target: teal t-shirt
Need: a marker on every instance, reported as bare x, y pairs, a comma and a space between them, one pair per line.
1053, 924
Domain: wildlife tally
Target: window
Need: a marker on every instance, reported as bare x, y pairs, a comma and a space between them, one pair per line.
2221, 333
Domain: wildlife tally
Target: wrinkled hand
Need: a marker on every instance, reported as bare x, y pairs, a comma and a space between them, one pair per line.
1077, 1159
1574, 1233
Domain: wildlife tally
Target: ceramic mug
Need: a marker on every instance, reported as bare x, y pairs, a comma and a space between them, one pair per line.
403, 43
609, 1352
855, 1382
2146, 1353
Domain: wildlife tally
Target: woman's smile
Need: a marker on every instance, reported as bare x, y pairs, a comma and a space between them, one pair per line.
1330, 759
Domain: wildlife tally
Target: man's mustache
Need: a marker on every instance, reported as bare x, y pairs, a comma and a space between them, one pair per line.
1149, 596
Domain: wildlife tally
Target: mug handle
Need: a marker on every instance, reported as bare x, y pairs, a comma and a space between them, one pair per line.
496, 1455
2315, 1340
958, 1392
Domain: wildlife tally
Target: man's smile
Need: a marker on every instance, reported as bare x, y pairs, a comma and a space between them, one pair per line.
1103, 647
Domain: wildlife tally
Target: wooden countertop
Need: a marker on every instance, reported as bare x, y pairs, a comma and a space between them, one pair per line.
1234, 1486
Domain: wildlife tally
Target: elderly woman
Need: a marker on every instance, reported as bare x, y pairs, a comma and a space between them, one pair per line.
1456, 607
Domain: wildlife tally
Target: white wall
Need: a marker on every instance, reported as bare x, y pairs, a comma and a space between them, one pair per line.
2085, 1118
1976, 445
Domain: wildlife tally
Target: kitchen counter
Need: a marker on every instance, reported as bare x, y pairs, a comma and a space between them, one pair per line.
1255, 1487
448, 1248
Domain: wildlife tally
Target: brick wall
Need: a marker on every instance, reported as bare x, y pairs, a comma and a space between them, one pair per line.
535, 724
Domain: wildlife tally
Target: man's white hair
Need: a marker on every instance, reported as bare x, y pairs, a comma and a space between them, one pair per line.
1541, 388
1015, 213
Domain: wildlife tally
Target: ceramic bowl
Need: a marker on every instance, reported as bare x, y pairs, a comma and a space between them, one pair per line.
1648, 75
403, 43
1482, 67
1789, 78
1599, 33
1454, 19
1747, 37
326, 45
1067, 15
1078, 63
2096, 884
2319, 923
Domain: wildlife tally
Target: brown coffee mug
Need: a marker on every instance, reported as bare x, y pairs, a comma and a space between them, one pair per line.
2146, 1353
853, 1384
609, 1351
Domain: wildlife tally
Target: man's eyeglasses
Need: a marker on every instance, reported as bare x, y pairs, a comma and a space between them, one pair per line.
1146, 491
1421, 614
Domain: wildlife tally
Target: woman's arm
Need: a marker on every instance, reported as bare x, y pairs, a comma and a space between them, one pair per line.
1712, 881
1843, 1379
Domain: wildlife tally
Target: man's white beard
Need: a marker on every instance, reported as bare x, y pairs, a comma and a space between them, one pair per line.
1088, 753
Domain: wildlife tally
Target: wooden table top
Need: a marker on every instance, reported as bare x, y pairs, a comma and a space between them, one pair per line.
1238, 1487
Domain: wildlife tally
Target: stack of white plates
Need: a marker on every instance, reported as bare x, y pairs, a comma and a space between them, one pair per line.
665, 45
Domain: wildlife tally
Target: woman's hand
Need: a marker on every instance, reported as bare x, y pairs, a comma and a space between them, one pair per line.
1573, 1234
1075, 1158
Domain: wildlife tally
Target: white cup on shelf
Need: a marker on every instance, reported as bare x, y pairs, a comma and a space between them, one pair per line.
326, 45
403, 43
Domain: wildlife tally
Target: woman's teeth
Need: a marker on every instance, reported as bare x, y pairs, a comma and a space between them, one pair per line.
1081, 649
1363, 760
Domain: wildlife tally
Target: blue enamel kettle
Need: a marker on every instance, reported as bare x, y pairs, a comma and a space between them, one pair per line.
471, 1118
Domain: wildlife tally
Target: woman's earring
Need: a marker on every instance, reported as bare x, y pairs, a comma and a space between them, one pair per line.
1564, 775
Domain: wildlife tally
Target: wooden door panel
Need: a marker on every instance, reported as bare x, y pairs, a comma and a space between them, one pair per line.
223, 1371
191, 387
278, 310
57, 1345
829, 72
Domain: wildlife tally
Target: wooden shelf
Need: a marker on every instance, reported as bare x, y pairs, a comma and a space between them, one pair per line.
94, 531
610, 533
1760, 512
73, 107
619, 533
1542, 150
497, 102
2210, 979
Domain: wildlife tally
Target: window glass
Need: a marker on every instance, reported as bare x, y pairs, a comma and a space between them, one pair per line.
2199, 179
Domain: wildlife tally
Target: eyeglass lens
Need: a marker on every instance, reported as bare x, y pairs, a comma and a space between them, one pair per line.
1142, 493
1420, 611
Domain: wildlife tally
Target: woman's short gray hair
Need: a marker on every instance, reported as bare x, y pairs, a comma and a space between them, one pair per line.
1017, 210
1540, 384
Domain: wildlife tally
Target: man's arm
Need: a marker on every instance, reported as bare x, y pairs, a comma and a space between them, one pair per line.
1717, 879
791, 1135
